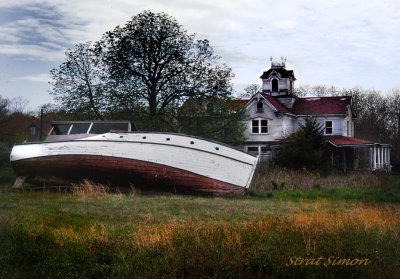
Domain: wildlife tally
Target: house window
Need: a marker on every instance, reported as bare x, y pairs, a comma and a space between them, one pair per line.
264, 126
260, 107
274, 85
252, 150
328, 127
265, 150
348, 128
33, 131
259, 126
254, 126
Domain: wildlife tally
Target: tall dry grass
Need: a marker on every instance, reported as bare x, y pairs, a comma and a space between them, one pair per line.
194, 247
89, 188
287, 179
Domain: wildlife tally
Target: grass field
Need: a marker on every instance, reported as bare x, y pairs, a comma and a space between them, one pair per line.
318, 233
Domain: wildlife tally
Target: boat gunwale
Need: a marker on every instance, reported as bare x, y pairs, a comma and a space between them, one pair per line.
143, 132
183, 135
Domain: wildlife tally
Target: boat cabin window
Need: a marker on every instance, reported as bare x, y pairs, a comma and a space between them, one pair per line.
101, 128
61, 129
79, 128
88, 128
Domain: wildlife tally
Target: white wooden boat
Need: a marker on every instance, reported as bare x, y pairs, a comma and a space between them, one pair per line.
150, 161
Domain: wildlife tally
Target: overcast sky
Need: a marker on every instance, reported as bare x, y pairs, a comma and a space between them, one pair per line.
343, 43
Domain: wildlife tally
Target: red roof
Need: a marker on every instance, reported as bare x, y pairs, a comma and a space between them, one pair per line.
346, 141
321, 105
302, 106
237, 104
275, 103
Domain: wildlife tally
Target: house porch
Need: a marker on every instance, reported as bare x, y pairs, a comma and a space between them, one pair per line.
355, 154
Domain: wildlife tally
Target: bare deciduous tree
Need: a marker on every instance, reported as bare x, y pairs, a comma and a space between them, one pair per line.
79, 82
249, 91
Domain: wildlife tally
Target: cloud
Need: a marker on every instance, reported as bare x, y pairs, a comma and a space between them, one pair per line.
324, 41
44, 78
35, 31
32, 52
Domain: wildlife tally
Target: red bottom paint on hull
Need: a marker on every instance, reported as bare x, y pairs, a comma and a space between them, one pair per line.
121, 172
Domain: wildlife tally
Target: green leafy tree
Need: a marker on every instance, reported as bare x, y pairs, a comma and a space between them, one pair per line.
161, 66
303, 149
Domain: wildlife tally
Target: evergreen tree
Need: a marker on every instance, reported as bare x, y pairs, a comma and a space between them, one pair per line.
303, 149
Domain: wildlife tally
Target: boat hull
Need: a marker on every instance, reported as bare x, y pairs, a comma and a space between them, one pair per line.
177, 163
120, 172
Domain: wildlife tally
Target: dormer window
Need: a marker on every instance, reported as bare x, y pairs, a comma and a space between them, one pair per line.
275, 85
260, 107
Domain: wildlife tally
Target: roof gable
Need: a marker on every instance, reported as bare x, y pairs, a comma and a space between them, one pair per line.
275, 103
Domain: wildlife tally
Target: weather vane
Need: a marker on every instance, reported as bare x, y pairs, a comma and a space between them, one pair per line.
278, 63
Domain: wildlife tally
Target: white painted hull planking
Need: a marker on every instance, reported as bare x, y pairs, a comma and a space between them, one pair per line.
183, 157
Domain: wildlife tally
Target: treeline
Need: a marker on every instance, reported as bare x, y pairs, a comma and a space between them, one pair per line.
378, 114
9, 109
15, 123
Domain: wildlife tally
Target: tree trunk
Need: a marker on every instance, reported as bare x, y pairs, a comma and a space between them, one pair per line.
153, 104
91, 100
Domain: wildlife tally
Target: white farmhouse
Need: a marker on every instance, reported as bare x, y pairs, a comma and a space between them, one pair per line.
274, 113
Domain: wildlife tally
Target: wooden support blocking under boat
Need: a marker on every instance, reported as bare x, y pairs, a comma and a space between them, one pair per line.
18, 182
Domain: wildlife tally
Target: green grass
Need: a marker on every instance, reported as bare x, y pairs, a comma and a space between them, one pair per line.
388, 193
103, 235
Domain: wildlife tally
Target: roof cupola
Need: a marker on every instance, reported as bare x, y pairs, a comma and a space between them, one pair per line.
278, 81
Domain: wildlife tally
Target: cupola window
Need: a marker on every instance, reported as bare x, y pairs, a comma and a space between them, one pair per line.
274, 85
